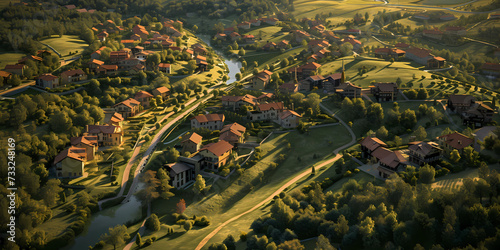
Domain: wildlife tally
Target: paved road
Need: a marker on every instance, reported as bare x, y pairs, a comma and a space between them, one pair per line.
4, 92
282, 188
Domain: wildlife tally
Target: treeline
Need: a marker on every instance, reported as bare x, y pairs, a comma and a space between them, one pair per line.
395, 215
22, 26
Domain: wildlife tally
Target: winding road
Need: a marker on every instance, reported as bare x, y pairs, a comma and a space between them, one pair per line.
289, 183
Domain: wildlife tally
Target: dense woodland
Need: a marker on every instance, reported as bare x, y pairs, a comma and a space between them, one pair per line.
395, 215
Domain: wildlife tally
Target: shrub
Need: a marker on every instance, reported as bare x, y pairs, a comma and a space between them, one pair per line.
153, 223
243, 236
188, 225
202, 221
70, 208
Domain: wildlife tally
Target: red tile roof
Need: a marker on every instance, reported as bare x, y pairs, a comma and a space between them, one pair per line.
72, 72
271, 106
162, 90
129, 103
210, 118
15, 66
419, 52
288, 113
87, 140
372, 143
164, 65
219, 148
193, 137
456, 140
78, 154
95, 61
47, 77
105, 129
491, 66
142, 94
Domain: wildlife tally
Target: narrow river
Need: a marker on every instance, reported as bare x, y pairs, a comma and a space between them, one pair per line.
121, 214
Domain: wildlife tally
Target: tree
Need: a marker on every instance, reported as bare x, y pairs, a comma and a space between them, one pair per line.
60, 122
191, 67
422, 94
291, 245
382, 133
172, 155
323, 243
116, 236
199, 185
181, 206
455, 156
426, 174
230, 242
241, 52
138, 240
188, 225
153, 103
375, 113
50, 192
153, 223
195, 28
408, 119
164, 187
284, 63
399, 81
346, 49
398, 141
420, 133
18, 116
153, 60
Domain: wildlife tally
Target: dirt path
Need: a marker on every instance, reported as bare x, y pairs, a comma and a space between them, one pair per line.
289, 183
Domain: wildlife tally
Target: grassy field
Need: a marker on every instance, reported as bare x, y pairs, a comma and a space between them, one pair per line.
230, 198
66, 44
267, 33
10, 58
6, 3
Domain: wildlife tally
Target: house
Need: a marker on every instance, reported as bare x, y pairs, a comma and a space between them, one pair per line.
191, 143
385, 91
107, 135
300, 35
233, 133
266, 112
447, 17
269, 46
348, 89
165, 68
455, 31
113, 118
209, 121
144, 98
140, 31
102, 36
310, 82
332, 81
478, 115
74, 75
261, 80
288, 119
221, 36
270, 21
492, 69
249, 38
229, 30
94, 64
244, 25
70, 163
460, 103
117, 56
305, 70
136, 69
35, 59
235, 102
47, 81
369, 144
389, 161
356, 44
255, 22
290, 87
129, 63
200, 51
164, 92
17, 69
216, 155
89, 143
234, 36
180, 173
128, 43
420, 56
402, 45
318, 44
5, 76
97, 54
436, 62
128, 108
283, 44
456, 141
435, 34
135, 38
110, 70
386, 53
422, 153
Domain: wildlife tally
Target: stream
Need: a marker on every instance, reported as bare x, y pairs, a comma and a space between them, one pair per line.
232, 64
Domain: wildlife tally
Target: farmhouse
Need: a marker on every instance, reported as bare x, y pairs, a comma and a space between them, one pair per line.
233, 133
107, 135
110, 70
191, 143
266, 112
47, 81
385, 92
89, 143
70, 163
369, 144
74, 75
94, 64
165, 68
289, 119
209, 121
144, 98
164, 92
216, 155
422, 153
348, 89
460, 103
128, 108
17, 69
113, 118
261, 80
456, 141
235, 102
478, 115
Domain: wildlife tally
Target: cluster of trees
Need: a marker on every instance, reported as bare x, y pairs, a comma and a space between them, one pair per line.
396, 214
157, 185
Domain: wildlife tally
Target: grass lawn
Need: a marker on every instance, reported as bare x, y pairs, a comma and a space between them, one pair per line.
230, 197
66, 44
267, 33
